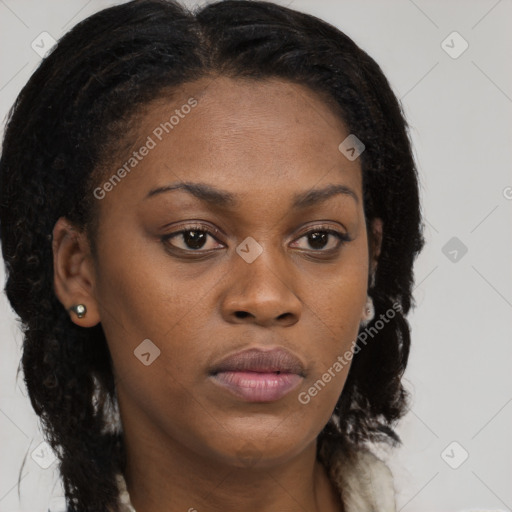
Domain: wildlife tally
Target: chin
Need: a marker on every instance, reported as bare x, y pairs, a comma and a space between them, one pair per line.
264, 453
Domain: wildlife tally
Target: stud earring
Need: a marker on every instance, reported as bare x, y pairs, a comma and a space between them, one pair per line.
368, 312
79, 309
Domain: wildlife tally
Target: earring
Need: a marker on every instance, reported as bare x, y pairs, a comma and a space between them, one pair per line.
79, 309
368, 312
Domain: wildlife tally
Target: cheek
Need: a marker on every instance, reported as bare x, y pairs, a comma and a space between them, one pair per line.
338, 307
340, 297
146, 316
137, 291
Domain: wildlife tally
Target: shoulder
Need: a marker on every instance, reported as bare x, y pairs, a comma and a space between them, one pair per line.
364, 481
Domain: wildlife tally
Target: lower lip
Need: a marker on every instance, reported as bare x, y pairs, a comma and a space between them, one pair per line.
258, 387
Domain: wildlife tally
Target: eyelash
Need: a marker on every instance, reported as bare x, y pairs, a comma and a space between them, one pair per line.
342, 237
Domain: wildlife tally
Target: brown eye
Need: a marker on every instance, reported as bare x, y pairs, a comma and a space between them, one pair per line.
194, 238
320, 239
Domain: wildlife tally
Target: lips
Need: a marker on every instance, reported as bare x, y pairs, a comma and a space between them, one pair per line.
257, 375
277, 360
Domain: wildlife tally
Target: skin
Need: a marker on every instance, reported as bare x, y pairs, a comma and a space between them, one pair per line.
189, 443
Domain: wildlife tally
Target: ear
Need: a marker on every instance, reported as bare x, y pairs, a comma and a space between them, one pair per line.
73, 272
375, 243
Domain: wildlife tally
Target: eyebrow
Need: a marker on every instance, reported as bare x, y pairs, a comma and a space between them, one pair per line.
224, 199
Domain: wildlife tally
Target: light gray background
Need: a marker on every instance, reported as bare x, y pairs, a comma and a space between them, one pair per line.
459, 110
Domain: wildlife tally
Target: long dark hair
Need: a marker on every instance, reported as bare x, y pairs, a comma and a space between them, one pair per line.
71, 115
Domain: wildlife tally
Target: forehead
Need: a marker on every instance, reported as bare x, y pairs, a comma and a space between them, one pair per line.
244, 136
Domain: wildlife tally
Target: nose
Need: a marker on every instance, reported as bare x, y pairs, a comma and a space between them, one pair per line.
262, 292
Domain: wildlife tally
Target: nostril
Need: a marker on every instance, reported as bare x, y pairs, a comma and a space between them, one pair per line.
241, 314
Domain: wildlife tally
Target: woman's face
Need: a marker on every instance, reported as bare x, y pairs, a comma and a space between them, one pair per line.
256, 280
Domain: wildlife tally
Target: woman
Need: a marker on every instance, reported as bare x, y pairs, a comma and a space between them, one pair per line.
209, 223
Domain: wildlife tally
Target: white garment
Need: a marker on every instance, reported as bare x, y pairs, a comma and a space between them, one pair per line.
364, 481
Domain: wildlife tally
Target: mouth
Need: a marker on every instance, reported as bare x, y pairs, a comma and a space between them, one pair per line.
256, 375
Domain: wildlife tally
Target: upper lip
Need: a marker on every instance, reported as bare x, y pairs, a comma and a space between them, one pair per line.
260, 360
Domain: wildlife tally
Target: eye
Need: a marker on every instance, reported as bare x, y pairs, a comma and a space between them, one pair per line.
193, 238
321, 237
